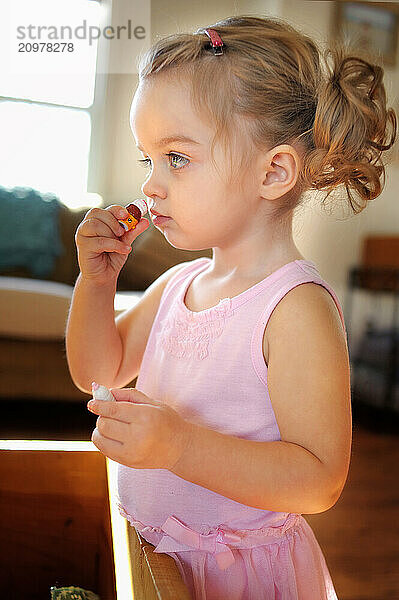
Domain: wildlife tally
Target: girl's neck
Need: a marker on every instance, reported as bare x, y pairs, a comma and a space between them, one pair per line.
251, 251
250, 260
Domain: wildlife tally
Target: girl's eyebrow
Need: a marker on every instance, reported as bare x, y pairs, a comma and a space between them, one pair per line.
183, 139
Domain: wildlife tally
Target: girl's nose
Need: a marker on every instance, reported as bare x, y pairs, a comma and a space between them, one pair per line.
153, 188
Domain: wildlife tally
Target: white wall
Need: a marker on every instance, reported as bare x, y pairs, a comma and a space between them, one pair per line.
332, 241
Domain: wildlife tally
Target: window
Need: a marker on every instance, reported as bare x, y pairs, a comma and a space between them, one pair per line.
46, 101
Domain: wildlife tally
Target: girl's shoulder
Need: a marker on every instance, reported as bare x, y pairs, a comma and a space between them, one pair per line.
308, 306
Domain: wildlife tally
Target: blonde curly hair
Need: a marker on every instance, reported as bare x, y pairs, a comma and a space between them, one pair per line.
271, 85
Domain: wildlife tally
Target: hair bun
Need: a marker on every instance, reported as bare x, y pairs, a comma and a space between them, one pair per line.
353, 126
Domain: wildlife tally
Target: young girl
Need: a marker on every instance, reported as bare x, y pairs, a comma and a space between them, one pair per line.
240, 421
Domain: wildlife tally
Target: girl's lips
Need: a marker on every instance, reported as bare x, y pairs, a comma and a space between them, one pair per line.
159, 219
154, 213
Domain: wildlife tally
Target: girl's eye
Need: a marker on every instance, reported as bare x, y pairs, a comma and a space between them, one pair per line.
145, 162
175, 161
176, 157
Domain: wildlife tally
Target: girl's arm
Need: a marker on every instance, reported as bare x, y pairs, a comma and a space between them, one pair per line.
104, 349
94, 347
309, 386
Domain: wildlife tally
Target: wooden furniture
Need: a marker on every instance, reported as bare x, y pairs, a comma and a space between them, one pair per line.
60, 527
376, 359
381, 251
154, 576
55, 525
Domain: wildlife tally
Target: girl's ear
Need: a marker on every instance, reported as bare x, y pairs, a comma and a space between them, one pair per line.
281, 169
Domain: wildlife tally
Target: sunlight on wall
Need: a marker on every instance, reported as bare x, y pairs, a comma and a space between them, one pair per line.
46, 146
30, 71
34, 157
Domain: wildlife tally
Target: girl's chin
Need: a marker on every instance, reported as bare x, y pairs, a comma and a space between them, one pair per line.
188, 245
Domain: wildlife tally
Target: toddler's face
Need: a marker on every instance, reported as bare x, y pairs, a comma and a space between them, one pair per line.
182, 182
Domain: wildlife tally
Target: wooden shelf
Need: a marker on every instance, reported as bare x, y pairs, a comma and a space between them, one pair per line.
379, 279
60, 527
55, 525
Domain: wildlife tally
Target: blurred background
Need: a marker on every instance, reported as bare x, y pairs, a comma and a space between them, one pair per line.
67, 146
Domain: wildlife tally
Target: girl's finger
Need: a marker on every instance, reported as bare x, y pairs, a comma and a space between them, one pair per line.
133, 397
119, 411
119, 213
112, 428
107, 217
97, 228
109, 447
98, 245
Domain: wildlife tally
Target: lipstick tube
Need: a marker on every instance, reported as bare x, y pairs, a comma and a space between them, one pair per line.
137, 209
100, 392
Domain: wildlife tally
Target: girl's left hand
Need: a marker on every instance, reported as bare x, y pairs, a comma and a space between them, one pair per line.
138, 431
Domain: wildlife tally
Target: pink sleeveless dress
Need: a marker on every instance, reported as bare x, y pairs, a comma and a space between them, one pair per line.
209, 366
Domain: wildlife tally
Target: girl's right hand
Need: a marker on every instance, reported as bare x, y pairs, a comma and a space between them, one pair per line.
102, 243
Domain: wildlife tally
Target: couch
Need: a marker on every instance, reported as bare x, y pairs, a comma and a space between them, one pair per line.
33, 310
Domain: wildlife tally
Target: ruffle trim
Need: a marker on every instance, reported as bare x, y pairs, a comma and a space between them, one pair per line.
244, 538
286, 564
184, 333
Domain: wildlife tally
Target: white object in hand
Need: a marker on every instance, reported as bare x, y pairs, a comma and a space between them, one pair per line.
100, 392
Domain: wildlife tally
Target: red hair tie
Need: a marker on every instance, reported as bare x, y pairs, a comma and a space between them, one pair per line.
216, 41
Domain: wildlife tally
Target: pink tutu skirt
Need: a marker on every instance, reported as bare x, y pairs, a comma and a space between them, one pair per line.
282, 562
